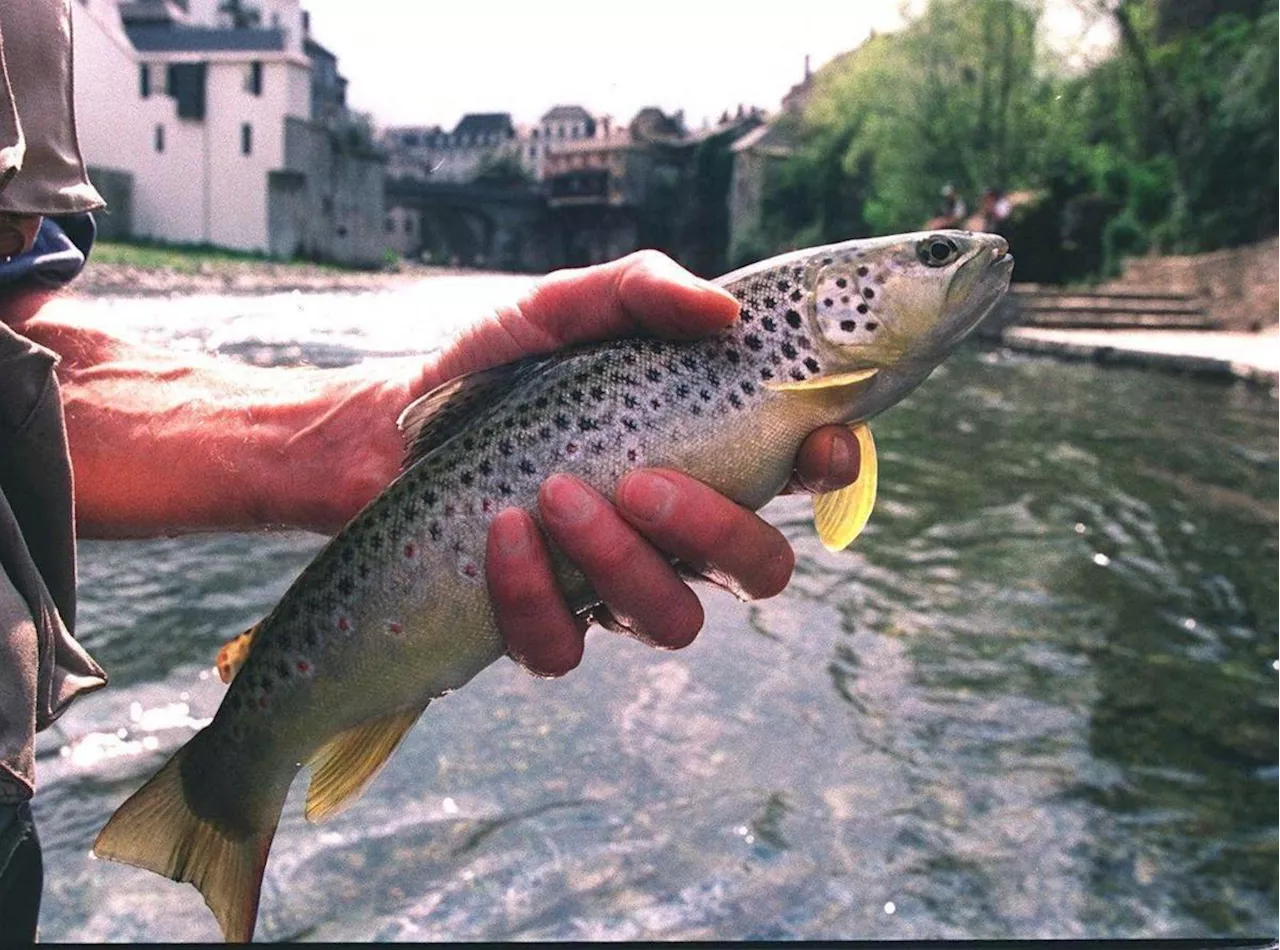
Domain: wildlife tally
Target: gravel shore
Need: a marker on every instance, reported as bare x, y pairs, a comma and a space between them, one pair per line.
100, 279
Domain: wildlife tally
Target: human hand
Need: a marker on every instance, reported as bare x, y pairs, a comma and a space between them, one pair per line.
624, 546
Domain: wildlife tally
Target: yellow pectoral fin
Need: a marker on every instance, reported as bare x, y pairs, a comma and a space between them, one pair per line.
234, 652
821, 382
841, 515
349, 761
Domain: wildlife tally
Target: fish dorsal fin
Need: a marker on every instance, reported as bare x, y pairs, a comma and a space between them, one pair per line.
234, 652
822, 382
349, 761
841, 515
431, 421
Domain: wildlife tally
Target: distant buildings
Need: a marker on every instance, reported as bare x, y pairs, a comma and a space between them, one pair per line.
215, 122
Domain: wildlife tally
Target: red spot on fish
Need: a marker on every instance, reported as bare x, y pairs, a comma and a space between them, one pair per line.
344, 624
303, 667
264, 701
631, 455
395, 628
470, 569
410, 550
571, 448
487, 505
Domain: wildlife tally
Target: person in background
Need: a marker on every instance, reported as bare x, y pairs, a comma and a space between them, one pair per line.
101, 437
951, 210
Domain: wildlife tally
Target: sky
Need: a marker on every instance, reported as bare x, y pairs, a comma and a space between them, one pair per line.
421, 62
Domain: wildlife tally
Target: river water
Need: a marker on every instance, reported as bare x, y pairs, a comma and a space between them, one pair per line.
1037, 698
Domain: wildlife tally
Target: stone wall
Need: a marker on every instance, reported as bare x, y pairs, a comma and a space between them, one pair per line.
1238, 285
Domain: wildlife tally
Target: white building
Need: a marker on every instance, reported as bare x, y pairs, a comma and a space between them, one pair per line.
214, 113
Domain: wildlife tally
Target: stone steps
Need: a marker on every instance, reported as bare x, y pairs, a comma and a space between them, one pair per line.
1039, 305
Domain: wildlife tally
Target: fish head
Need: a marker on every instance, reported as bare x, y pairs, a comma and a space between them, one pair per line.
903, 302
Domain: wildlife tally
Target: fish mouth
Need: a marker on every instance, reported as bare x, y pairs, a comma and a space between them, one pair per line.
987, 290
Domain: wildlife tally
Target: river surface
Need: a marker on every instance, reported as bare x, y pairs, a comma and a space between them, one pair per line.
1037, 698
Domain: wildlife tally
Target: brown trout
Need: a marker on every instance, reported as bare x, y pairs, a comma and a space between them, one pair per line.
394, 613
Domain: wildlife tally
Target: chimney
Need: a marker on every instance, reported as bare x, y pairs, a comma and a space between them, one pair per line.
807, 72
605, 123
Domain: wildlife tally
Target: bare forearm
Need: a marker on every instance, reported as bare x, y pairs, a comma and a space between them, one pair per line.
163, 444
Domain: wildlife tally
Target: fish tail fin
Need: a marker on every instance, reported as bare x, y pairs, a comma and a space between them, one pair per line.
158, 829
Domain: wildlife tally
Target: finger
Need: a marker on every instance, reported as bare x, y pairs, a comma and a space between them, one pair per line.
636, 583
540, 632
683, 517
642, 292
828, 460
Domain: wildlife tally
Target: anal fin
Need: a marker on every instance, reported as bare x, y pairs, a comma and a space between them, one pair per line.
841, 515
349, 761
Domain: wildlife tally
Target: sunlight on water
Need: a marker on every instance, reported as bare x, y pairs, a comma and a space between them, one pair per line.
1037, 698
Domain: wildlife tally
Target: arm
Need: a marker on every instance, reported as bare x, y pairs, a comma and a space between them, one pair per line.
163, 444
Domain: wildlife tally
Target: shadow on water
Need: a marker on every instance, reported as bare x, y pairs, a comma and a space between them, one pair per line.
1090, 596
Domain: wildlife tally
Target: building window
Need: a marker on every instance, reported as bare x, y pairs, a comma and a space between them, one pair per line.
253, 82
159, 138
246, 139
408, 225
390, 225
144, 81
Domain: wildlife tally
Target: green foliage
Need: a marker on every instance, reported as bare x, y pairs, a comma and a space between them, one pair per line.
502, 170
1169, 142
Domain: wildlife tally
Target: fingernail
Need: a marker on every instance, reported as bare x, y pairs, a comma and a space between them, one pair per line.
567, 500
648, 496
840, 462
511, 536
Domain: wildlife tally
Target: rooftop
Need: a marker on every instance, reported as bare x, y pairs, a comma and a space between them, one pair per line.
164, 38
566, 113
485, 123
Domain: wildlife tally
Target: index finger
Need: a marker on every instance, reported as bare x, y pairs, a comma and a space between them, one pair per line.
645, 292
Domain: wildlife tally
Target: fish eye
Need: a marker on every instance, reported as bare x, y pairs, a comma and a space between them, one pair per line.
937, 250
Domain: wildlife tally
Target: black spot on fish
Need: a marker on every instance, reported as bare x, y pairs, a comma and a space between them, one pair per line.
682, 390
576, 395
841, 283
435, 531
466, 478
485, 467
863, 308
788, 351
630, 424
688, 362
746, 315
544, 432
827, 261
628, 357
868, 293
848, 326
827, 302
797, 295
732, 356
597, 446
705, 394
527, 466
655, 403
793, 319
747, 386
346, 586
695, 410
468, 443
871, 324
586, 424
363, 571
784, 286
753, 342
766, 373
541, 402
735, 400
811, 364
597, 393
652, 375
505, 446
630, 401
798, 375
562, 421
863, 271
770, 302
348, 555
504, 488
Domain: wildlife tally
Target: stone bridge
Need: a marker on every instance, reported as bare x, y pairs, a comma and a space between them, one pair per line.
477, 225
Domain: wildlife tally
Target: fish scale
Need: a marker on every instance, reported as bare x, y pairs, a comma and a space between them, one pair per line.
394, 612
